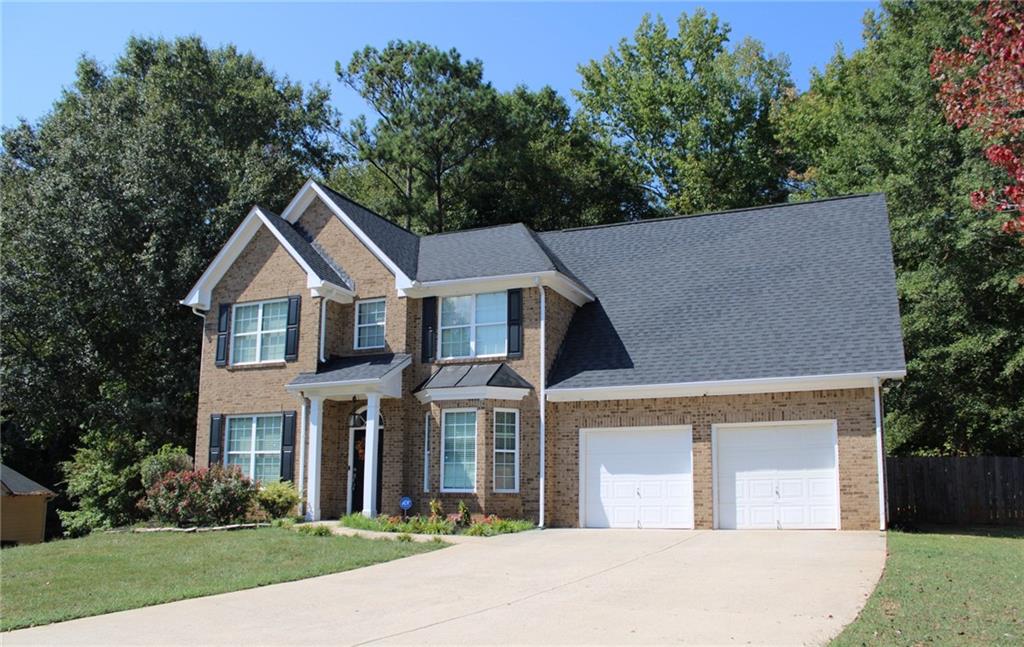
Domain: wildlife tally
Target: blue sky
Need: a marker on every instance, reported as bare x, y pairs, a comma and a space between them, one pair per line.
533, 43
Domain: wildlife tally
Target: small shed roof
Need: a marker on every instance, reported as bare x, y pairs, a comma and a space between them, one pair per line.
17, 484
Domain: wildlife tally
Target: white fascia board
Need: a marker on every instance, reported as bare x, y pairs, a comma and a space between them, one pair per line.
333, 292
200, 294
723, 387
553, 279
311, 190
449, 394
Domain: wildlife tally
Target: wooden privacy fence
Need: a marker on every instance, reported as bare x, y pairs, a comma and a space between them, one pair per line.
961, 490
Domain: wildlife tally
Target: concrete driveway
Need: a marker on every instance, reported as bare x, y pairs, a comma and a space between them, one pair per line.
550, 586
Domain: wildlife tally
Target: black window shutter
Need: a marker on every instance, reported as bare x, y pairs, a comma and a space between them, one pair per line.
291, 342
515, 323
429, 334
223, 318
288, 447
216, 433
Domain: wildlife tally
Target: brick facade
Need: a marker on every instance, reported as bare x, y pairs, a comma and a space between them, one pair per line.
265, 271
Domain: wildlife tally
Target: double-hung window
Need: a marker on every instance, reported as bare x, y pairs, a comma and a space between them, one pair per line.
370, 324
474, 325
258, 332
253, 443
506, 450
458, 444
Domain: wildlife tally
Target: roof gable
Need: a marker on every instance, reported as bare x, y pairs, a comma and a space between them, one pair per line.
324, 277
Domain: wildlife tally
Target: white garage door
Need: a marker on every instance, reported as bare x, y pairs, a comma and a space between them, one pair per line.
777, 476
636, 478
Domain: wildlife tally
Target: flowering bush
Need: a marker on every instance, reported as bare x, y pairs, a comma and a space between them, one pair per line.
203, 497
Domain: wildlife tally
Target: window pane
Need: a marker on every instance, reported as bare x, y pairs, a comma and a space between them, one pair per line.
246, 318
460, 450
244, 349
268, 434
239, 435
268, 467
239, 460
456, 311
371, 336
490, 340
275, 316
455, 342
272, 347
491, 307
370, 313
504, 471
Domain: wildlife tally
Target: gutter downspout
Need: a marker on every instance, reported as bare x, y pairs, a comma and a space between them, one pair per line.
880, 453
300, 482
323, 327
543, 394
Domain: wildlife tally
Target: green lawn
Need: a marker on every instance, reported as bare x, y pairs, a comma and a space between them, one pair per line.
103, 572
955, 588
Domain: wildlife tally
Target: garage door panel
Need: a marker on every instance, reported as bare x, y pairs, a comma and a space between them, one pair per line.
638, 478
776, 476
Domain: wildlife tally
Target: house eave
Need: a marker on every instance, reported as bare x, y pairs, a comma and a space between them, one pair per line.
723, 387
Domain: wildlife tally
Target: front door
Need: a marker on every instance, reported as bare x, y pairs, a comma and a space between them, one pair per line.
358, 435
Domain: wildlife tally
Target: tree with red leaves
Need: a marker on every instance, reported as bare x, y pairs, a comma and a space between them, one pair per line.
983, 90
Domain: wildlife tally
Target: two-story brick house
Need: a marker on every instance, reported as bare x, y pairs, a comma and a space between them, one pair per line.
720, 370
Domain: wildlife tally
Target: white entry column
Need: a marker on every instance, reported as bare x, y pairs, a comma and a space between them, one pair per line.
370, 474
316, 409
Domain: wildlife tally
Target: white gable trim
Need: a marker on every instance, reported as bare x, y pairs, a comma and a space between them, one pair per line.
305, 197
201, 293
723, 387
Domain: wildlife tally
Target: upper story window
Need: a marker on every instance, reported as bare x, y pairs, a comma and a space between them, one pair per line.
370, 324
475, 325
258, 332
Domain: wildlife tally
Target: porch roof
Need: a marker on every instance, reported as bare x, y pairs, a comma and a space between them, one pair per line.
363, 373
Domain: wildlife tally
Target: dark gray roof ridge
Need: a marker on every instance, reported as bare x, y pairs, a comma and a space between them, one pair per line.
701, 214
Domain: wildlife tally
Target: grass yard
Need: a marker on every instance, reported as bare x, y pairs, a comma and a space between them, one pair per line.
942, 588
73, 578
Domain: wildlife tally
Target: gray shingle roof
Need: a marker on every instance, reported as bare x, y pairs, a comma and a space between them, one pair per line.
324, 267
470, 375
352, 369
488, 251
790, 290
400, 245
17, 484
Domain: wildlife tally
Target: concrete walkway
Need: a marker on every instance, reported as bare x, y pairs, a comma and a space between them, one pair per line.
539, 587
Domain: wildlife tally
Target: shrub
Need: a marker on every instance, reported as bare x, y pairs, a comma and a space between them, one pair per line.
404, 537
359, 522
315, 531
278, 498
169, 458
494, 525
103, 482
465, 519
436, 509
204, 497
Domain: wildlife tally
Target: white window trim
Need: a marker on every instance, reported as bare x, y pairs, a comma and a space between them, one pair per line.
383, 323
258, 332
476, 448
472, 326
252, 439
426, 452
515, 452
